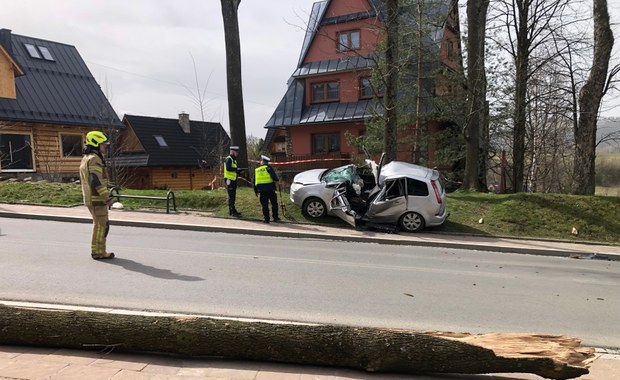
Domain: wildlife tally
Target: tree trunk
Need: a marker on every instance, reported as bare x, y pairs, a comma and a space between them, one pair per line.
521, 78
590, 101
391, 90
236, 115
476, 88
370, 349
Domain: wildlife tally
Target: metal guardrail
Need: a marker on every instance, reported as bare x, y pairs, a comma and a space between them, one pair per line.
115, 193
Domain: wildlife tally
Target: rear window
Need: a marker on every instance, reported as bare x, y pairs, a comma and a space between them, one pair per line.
417, 188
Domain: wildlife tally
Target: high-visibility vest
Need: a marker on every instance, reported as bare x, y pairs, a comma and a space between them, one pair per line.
262, 176
231, 175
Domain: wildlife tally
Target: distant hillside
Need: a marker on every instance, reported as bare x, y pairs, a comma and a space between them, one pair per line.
609, 128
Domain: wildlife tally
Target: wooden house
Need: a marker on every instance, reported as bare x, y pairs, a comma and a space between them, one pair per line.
55, 102
330, 93
175, 154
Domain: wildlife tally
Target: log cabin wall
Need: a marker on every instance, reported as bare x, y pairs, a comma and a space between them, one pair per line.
184, 178
49, 162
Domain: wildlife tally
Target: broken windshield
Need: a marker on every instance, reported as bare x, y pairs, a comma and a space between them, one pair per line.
342, 174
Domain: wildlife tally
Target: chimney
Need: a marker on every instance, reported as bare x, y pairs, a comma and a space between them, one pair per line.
184, 121
5, 40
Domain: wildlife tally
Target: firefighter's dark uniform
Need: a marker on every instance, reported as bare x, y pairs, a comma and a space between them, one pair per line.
265, 179
96, 198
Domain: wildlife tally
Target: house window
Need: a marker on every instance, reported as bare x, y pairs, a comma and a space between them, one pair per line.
325, 92
349, 40
366, 89
325, 143
39, 52
15, 153
71, 145
161, 141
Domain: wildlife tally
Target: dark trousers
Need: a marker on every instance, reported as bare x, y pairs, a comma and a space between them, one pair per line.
265, 198
231, 189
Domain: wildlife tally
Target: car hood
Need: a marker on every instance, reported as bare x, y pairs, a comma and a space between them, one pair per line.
309, 176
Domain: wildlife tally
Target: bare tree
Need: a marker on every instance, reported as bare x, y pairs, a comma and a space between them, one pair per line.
530, 26
391, 89
236, 115
476, 89
590, 98
198, 95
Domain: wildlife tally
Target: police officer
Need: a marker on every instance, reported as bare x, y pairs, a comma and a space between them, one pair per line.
230, 176
265, 180
95, 191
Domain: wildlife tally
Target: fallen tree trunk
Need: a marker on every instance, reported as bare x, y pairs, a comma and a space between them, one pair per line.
370, 349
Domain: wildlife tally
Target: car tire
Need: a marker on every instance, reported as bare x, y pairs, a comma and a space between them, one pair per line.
314, 208
411, 222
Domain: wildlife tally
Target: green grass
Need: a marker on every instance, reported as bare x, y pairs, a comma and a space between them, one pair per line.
538, 215
523, 215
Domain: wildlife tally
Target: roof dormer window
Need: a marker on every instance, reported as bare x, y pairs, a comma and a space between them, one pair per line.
39, 52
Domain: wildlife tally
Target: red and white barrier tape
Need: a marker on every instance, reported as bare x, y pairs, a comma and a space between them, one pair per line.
303, 161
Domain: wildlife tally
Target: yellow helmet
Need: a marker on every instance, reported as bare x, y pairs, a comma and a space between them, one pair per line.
96, 138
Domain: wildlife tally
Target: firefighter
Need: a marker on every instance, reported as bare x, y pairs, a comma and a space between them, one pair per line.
265, 180
95, 191
230, 176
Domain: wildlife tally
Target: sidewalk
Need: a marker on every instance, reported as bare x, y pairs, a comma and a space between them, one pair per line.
18, 362
34, 363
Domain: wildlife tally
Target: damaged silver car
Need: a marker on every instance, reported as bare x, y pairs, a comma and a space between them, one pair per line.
398, 193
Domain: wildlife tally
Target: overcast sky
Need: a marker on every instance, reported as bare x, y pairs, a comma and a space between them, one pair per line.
140, 51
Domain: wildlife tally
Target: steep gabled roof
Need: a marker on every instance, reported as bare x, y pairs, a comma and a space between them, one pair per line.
318, 19
292, 111
334, 65
57, 87
166, 144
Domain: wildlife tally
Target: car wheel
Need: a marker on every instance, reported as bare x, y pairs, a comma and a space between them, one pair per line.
314, 208
411, 222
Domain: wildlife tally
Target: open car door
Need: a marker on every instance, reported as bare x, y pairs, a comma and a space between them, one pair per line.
390, 203
340, 206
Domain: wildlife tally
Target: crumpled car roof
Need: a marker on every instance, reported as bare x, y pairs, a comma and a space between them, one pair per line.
400, 168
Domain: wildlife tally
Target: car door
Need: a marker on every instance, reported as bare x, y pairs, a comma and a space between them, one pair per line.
340, 207
390, 203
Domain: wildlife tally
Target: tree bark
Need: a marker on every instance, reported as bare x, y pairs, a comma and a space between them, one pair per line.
370, 349
236, 114
590, 101
522, 59
476, 92
391, 61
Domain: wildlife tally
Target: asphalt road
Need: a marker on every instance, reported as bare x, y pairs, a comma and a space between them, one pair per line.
312, 280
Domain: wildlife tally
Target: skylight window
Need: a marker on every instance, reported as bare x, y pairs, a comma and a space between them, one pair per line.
39, 52
161, 141
46, 53
33, 51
